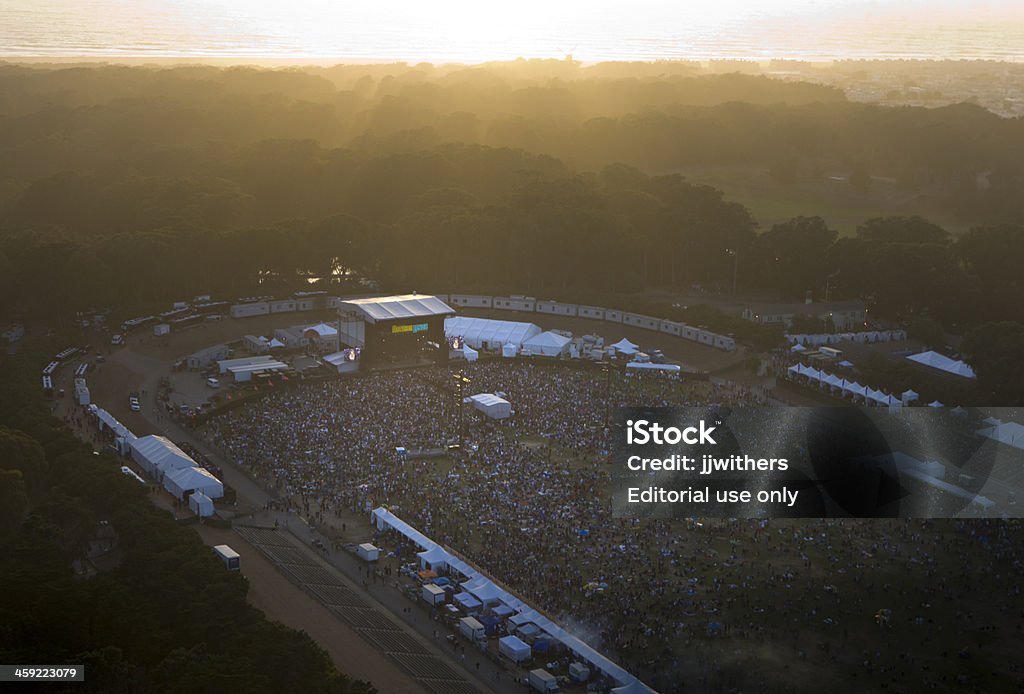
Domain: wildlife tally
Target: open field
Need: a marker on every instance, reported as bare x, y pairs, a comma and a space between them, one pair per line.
843, 208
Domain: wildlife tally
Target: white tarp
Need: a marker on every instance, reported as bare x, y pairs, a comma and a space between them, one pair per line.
943, 363
469, 353
485, 333
547, 344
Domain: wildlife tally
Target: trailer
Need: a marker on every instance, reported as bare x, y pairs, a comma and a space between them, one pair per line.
229, 556
543, 681
472, 629
368, 552
433, 594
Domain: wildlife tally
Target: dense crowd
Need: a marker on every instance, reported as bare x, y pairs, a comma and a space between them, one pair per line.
706, 602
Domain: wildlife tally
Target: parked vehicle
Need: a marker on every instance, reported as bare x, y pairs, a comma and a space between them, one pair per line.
230, 557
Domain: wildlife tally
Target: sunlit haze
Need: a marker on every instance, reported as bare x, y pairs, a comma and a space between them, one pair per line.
460, 30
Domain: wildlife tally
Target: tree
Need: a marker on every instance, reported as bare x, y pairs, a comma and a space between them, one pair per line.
791, 256
993, 350
928, 330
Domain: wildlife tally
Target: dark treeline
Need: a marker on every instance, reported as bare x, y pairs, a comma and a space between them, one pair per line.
162, 614
175, 122
135, 186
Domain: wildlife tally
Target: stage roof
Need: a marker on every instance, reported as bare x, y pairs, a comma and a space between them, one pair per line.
381, 308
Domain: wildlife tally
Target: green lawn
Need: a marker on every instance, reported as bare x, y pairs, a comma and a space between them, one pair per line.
835, 201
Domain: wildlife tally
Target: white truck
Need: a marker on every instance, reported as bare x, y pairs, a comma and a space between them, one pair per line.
472, 629
229, 556
543, 681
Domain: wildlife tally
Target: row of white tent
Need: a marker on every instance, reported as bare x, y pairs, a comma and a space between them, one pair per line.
481, 587
845, 387
863, 337
123, 437
515, 337
162, 460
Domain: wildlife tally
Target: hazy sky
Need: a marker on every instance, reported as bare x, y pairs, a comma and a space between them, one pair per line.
478, 30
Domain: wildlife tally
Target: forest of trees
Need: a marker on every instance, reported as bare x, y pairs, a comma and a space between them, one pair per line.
132, 186
167, 618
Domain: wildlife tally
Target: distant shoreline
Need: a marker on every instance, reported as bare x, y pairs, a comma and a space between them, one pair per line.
271, 61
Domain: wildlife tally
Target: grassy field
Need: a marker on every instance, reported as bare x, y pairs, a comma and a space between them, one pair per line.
836, 201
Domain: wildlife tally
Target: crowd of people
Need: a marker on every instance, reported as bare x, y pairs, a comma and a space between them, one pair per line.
903, 604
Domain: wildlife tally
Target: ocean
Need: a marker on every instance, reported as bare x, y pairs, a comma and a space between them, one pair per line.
478, 30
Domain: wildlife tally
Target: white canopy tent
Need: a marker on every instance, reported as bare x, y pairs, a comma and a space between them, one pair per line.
547, 344
469, 353
509, 350
485, 333
322, 330
491, 405
435, 558
670, 370
626, 347
484, 590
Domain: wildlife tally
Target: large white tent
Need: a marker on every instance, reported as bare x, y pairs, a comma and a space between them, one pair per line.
547, 344
485, 333
943, 363
491, 405
158, 455
181, 482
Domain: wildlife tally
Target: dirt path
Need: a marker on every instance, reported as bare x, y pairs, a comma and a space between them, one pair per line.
285, 602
